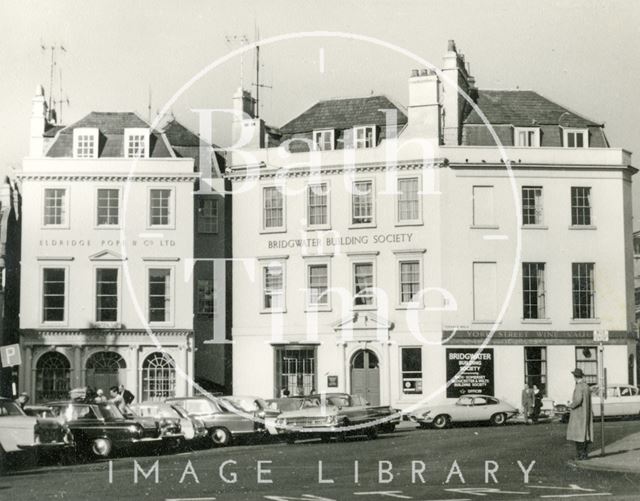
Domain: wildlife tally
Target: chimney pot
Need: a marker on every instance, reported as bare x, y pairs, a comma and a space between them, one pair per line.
424, 72
414, 73
451, 46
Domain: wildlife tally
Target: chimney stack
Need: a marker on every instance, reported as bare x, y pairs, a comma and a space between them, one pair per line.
457, 76
424, 105
38, 123
247, 131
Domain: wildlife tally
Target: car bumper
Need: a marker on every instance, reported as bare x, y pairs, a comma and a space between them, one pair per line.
147, 440
46, 446
421, 419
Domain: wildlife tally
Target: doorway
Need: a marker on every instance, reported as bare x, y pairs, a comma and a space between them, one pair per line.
365, 376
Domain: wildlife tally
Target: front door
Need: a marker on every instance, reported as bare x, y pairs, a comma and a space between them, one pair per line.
365, 376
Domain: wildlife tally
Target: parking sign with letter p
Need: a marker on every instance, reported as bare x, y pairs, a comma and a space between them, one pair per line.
10, 355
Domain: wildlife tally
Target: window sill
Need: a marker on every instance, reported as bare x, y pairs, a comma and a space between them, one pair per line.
409, 306
317, 309
273, 230
584, 321
106, 227
318, 228
409, 223
363, 225
534, 227
536, 320
106, 325
369, 307
272, 312
583, 227
484, 227
483, 322
158, 227
55, 227
160, 324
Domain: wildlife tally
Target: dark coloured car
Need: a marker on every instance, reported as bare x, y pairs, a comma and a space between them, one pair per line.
223, 421
100, 429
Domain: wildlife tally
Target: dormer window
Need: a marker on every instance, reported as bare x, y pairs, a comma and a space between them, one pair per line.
575, 138
323, 140
85, 143
526, 137
364, 137
136, 143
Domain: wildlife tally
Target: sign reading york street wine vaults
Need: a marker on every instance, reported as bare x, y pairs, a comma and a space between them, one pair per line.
476, 378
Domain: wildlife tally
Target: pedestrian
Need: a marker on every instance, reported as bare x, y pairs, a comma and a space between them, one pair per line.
100, 398
527, 403
23, 399
285, 393
127, 396
117, 399
537, 403
580, 428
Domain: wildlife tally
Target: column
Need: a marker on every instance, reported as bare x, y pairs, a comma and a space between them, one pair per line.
25, 379
133, 371
182, 374
387, 355
77, 367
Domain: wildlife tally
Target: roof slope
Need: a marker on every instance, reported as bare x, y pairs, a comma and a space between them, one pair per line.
179, 135
524, 108
343, 114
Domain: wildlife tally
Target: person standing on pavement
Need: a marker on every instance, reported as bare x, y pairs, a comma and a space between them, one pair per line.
527, 401
537, 403
127, 396
580, 428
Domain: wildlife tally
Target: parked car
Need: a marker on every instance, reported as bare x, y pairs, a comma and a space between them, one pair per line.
277, 406
622, 400
22, 434
222, 423
43, 411
468, 408
320, 417
100, 430
166, 418
388, 416
253, 406
191, 428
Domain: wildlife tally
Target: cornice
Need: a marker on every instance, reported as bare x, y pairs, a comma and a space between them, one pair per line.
88, 334
151, 177
263, 172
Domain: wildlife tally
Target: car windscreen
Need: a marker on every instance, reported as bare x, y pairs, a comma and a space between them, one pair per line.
286, 404
180, 411
8, 408
243, 404
162, 411
200, 406
339, 401
111, 413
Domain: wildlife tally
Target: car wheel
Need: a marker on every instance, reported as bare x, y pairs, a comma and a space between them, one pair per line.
441, 421
498, 419
372, 433
101, 447
220, 437
423, 426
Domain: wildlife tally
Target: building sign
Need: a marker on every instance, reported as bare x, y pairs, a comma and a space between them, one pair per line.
476, 378
411, 385
10, 355
543, 338
342, 241
332, 381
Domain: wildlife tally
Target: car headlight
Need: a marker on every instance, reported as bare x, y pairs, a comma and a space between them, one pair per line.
135, 429
332, 419
281, 421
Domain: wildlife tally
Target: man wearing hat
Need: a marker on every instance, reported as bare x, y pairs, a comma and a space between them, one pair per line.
580, 429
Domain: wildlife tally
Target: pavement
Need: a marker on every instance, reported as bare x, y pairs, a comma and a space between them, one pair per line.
622, 455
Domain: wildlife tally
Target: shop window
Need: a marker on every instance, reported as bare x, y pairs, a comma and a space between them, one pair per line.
587, 360
580, 206
52, 377
207, 219
535, 367
532, 205
106, 295
533, 290
483, 211
108, 207
411, 371
295, 370
53, 294
583, 290
158, 377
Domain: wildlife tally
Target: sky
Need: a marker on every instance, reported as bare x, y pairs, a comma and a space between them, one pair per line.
122, 55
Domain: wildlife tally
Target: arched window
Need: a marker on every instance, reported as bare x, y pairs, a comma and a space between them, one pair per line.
104, 370
158, 377
52, 377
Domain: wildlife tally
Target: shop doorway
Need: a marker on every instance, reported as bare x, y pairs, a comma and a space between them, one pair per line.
365, 376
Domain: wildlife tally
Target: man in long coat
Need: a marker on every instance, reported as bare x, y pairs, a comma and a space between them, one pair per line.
527, 400
580, 429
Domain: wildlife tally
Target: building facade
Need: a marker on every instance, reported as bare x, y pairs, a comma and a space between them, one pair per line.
106, 291
429, 255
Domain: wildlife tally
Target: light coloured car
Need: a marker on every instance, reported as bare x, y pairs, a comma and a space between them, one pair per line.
621, 400
468, 408
22, 433
165, 414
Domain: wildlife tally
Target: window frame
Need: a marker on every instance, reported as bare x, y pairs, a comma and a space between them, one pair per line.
327, 224
575, 208
200, 217
170, 310
65, 320
584, 131
96, 223
278, 367
92, 132
408, 222
372, 223
544, 371
363, 260
96, 321
320, 133
200, 311
273, 229
536, 137
356, 141
129, 132
538, 212
315, 262
409, 257
545, 315
171, 208
483, 225
265, 264
419, 380
66, 209
589, 377
592, 293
